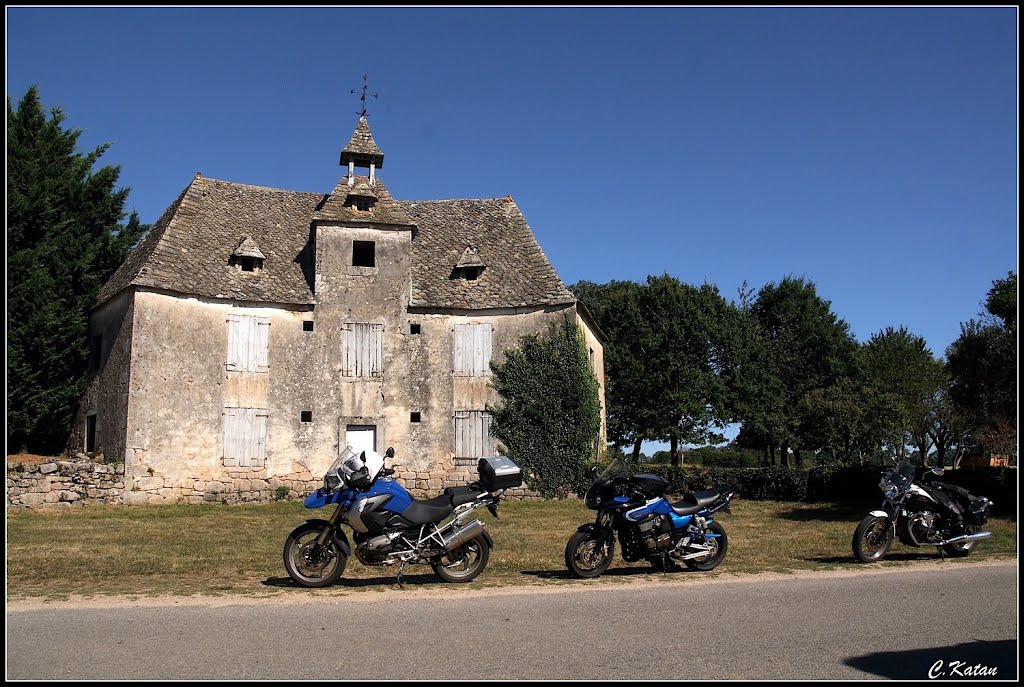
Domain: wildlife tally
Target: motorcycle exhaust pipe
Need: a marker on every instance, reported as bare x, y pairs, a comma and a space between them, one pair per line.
462, 535
965, 537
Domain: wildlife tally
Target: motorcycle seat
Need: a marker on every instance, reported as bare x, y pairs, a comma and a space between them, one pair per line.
432, 510
461, 495
698, 500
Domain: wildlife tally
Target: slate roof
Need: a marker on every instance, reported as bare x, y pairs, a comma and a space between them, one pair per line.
361, 148
518, 273
385, 209
189, 248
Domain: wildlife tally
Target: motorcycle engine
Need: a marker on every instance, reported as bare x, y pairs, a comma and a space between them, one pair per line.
374, 549
922, 527
656, 533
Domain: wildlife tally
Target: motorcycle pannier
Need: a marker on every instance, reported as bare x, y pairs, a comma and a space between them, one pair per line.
499, 472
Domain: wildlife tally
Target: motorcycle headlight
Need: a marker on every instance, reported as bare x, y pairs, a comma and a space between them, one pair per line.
890, 491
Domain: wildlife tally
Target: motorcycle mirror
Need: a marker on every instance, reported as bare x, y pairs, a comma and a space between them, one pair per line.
938, 471
390, 453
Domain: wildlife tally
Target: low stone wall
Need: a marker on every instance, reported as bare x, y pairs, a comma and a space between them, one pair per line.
63, 483
66, 483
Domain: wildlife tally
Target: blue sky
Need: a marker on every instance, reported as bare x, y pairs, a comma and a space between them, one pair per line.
872, 151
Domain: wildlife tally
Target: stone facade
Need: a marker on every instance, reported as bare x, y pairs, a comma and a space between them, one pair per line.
255, 332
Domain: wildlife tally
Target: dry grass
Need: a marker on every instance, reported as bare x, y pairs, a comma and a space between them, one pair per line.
217, 549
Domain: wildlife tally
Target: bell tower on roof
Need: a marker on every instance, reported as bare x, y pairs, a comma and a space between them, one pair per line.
362, 150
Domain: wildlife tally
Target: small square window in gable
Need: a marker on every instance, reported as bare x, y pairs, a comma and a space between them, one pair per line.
307, 325
414, 417
414, 327
364, 254
306, 416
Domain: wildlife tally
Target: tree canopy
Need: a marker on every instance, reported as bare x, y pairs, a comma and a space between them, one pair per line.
64, 239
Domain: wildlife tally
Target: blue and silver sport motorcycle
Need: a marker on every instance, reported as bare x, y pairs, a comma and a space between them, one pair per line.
390, 527
648, 525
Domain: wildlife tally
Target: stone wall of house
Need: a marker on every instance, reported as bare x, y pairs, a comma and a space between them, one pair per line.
67, 483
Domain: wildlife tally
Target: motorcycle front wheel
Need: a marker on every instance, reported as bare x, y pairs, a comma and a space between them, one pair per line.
464, 563
588, 554
310, 564
872, 538
718, 546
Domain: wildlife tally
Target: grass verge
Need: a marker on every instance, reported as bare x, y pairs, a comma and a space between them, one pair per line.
236, 550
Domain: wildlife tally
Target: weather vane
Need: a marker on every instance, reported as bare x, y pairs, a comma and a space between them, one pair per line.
362, 98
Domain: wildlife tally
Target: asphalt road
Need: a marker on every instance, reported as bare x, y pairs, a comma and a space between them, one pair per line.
959, 620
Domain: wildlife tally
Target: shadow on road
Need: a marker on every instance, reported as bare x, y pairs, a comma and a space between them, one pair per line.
611, 572
389, 581
970, 661
924, 555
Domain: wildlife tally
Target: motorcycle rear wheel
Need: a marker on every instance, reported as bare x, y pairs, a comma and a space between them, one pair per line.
464, 563
719, 545
310, 564
872, 539
588, 554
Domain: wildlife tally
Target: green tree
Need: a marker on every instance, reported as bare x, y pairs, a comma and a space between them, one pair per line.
685, 366
549, 417
801, 346
899, 363
63, 241
632, 403
982, 365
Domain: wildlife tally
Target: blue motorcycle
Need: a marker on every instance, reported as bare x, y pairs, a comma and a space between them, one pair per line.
390, 527
648, 525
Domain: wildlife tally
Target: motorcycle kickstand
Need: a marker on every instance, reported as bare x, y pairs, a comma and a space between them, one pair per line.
401, 569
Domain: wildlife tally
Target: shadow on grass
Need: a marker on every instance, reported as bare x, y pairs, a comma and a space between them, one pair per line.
971, 660
829, 512
389, 581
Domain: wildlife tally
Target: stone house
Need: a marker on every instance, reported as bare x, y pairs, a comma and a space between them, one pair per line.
255, 331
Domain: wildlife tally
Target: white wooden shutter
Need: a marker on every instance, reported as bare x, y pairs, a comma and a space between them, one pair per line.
245, 437
231, 437
259, 358
362, 349
348, 349
486, 440
238, 343
472, 343
377, 348
462, 438
248, 343
473, 434
482, 350
460, 349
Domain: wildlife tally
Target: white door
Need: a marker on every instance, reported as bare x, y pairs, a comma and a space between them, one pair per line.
361, 437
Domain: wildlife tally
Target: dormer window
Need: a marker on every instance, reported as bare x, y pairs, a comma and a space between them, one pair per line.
469, 266
359, 203
361, 195
247, 257
471, 273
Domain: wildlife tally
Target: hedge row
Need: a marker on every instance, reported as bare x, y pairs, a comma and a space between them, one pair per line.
844, 484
